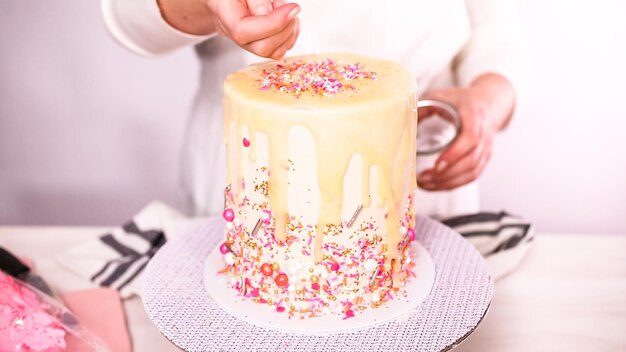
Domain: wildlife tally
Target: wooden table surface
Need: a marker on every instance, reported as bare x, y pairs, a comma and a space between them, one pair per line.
569, 293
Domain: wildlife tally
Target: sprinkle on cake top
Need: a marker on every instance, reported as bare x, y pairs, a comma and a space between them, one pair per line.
324, 77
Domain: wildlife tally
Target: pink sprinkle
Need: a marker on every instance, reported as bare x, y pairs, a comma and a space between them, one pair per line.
320, 78
315, 286
229, 215
280, 309
411, 233
224, 248
246, 142
254, 292
349, 314
334, 267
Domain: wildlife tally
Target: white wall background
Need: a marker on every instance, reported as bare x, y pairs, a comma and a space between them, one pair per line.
89, 133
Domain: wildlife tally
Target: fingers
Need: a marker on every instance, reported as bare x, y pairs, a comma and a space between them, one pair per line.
278, 3
465, 170
252, 28
459, 148
275, 46
281, 50
460, 179
268, 35
425, 112
470, 135
466, 164
292, 41
259, 7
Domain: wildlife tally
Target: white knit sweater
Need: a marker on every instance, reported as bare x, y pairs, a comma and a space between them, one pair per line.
443, 42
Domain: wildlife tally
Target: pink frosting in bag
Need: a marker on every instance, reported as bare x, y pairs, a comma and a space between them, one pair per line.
25, 324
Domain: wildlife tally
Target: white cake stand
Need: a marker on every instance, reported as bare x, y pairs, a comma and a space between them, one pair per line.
177, 302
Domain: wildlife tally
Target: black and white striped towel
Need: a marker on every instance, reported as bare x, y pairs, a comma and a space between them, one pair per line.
501, 238
117, 258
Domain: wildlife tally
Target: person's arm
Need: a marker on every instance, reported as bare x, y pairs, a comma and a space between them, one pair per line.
497, 44
149, 27
189, 16
491, 70
139, 26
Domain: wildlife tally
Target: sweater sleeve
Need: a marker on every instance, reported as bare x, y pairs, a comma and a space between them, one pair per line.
497, 44
139, 26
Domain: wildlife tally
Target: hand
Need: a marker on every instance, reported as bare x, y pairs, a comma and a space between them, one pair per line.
484, 109
262, 27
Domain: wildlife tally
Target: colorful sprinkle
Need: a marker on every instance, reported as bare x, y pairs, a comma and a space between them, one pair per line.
355, 215
246, 142
411, 233
374, 276
336, 285
242, 284
229, 215
256, 228
281, 280
318, 77
267, 270
229, 258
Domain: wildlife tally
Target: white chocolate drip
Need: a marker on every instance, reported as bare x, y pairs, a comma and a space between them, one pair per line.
377, 121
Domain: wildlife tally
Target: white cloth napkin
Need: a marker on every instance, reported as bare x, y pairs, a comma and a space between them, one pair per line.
503, 239
119, 256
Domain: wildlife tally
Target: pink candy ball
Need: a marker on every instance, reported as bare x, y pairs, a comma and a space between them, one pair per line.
224, 248
349, 313
229, 215
246, 142
280, 309
411, 234
334, 267
281, 280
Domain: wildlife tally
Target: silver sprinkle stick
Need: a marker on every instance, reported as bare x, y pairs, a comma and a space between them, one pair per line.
226, 190
242, 284
257, 227
355, 215
375, 275
404, 243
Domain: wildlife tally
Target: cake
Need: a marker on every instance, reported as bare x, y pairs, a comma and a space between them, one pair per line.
321, 175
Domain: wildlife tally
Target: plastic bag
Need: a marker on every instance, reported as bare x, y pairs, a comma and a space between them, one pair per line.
32, 321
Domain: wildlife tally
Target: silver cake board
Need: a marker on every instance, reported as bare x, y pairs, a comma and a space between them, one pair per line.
177, 303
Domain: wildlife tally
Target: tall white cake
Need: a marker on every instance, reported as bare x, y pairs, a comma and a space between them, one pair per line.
321, 176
